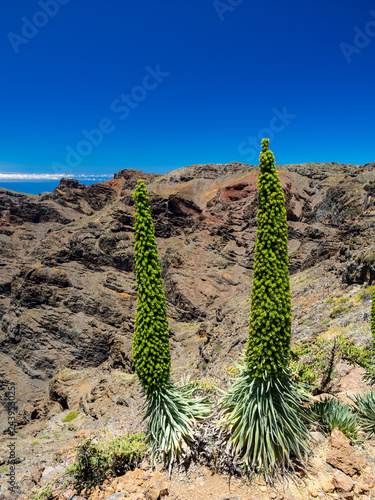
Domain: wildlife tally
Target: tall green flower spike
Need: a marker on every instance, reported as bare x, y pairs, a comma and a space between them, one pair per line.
369, 375
171, 410
151, 354
268, 347
264, 410
373, 319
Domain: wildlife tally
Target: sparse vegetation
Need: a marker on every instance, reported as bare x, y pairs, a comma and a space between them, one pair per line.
206, 384
373, 318
70, 416
315, 363
96, 461
342, 300
367, 293
44, 494
339, 311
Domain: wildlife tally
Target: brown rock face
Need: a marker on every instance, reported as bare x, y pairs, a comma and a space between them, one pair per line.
68, 291
342, 455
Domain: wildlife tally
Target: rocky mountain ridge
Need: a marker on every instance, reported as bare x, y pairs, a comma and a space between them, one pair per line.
68, 291
68, 286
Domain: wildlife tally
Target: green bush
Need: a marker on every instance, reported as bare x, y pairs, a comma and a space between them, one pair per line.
71, 416
304, 373
44, 494
96, 461
315, 363
331, 413
342, 300
339, 311
365, 406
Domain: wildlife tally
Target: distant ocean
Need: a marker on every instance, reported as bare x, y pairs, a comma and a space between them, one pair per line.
38, 187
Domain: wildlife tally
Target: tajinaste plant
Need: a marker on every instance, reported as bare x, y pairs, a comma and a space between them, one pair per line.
171, 410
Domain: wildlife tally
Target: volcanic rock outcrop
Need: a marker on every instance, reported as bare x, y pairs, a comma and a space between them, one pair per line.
68, 291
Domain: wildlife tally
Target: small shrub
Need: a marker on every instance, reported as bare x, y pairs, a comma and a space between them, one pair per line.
365, 406
314, 364
43, 494
96, 461
71, 416
325, 322
301, 372
339, 311
331, 413
352, 354
342, 300
366, 294
231, 370
207, 385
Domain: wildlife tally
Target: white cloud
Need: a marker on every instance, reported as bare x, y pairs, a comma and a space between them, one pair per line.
50, 177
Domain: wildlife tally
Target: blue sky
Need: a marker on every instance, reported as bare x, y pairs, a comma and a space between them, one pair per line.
174, 83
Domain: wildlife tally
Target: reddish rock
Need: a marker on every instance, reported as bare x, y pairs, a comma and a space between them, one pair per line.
338, 439
342, 455
342, 482
36, 474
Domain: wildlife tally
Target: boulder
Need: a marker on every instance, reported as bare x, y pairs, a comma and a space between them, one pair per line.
342, 455
342, 482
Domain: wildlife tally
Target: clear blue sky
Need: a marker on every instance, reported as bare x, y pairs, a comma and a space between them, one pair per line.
218, 75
